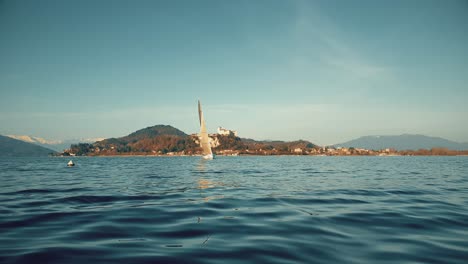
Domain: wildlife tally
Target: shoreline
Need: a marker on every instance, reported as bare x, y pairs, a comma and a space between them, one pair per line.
253, 155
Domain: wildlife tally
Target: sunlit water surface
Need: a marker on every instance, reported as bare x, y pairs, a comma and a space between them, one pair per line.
234, 210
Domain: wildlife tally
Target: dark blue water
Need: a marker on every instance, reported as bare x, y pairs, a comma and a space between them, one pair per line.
234, 210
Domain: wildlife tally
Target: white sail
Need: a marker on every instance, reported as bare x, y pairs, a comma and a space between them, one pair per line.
204, 140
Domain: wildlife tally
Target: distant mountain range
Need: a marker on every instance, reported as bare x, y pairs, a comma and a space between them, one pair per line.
161, 139
403, 142
17, 148
57, 145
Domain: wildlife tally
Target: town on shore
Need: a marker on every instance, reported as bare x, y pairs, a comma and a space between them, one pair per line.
164, 140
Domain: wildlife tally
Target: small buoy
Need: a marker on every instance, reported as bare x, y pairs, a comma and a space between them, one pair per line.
70, 163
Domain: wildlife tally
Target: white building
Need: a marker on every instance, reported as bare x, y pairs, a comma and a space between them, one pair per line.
297, 150
226, 132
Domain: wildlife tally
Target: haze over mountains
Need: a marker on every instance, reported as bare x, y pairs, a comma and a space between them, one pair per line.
17, 148
403, 142
14, 145
57, 145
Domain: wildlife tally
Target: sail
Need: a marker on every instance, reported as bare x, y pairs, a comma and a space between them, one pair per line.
204, 140
199, 112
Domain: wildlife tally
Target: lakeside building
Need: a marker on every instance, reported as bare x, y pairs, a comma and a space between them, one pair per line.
226, 132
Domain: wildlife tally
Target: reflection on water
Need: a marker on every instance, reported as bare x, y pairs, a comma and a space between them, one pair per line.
201, 165
234, 210
205, 183
214, 197
208, 184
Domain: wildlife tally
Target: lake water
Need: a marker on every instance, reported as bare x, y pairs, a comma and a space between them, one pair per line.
291, 209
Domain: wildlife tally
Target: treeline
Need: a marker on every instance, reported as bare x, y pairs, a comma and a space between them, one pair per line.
300, 147
187, 145
433, 152
167, 140
162, 144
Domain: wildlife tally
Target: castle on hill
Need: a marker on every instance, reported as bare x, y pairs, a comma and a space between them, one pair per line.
226, 132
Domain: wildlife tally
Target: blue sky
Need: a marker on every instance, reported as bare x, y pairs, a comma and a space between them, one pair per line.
324, 71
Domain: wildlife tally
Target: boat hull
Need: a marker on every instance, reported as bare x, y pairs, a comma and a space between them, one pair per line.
208, 156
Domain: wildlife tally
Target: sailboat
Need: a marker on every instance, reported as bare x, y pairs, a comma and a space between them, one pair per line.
204, 140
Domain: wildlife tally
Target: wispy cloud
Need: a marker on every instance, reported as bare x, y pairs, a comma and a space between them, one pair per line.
316, 31
357, 68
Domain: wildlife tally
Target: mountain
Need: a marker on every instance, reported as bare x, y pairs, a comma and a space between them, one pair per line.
57, 145
17, 148
145, 134
31, 139
403, 142
153, 131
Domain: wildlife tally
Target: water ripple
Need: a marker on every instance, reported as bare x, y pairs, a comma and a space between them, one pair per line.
234, 210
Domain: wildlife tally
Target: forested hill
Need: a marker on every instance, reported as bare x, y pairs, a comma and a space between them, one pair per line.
154, 131
159, 139
165, 139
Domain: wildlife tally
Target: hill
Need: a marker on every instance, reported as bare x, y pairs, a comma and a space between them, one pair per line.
17, 148
159, 139
403, 142
164, 139
154, 131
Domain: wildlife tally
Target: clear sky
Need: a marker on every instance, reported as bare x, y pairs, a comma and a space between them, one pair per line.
324, 71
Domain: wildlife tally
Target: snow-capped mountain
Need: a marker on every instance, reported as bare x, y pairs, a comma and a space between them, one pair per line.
57, 145
36, 140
